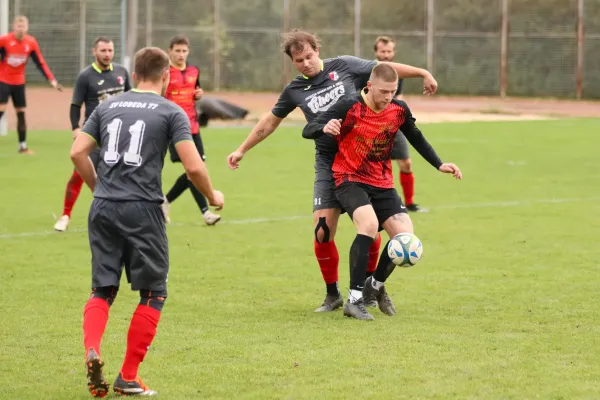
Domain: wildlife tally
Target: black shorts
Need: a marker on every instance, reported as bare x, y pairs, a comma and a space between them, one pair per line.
385, 202
197, 142
400, 149
130, 235
17, 92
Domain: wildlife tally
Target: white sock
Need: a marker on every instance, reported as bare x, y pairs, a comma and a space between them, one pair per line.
354, 295
376, 285
22, 145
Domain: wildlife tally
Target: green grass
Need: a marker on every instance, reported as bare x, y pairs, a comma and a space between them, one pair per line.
504, 304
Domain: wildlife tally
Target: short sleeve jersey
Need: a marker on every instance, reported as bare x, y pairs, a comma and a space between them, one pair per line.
94, 86
316, 95
133, 131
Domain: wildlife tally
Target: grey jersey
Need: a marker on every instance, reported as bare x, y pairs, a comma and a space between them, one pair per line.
94, 86
338, 78
133, 131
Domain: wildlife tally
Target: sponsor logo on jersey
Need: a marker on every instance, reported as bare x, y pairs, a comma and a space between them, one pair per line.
15, 61
325, 98
120, 80
100, 82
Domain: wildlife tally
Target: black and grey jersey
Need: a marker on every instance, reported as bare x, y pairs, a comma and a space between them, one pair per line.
338, 78
133, 132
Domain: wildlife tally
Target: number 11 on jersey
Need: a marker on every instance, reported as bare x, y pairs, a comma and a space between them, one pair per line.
132, 156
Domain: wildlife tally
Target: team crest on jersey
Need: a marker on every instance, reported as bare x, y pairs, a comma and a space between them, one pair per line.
120, 80
191, 79
26, 47
334, 76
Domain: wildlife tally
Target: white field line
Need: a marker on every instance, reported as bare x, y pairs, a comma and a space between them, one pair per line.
306, 217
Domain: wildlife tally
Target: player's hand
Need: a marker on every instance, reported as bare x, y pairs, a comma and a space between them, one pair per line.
76, 133
333, 127
430, 85
449, 168
55, 85
233, 160
198, 93
217, 200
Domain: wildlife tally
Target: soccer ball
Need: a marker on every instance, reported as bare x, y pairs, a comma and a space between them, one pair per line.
405, 249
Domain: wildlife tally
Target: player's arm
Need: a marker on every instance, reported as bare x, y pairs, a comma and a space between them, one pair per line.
193, 164
430, 85
79, 95
417, 140
2, 48
329, 122
38, 59
263, 128
127, 85
83, 146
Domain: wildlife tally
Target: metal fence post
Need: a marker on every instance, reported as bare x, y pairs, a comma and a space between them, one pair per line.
580, 50
286, 23
430, 33
3, 31
504, 49
217, 46
357, 12
82, 34
149, 14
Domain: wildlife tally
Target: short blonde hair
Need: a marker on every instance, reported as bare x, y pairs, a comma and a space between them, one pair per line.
385, 72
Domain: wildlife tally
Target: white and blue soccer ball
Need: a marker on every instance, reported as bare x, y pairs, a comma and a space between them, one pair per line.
405, 249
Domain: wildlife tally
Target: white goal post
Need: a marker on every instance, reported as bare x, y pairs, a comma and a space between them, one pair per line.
3, 31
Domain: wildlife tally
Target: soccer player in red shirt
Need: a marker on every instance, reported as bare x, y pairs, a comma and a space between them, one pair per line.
184, 89
15, 49
364, 127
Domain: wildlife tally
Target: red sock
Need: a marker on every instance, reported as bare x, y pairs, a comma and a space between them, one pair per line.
95, 317
72, 193
141, 332
329, 259
408, 187
374, 254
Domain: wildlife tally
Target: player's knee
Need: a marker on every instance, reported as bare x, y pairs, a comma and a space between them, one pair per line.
405, 165
154, 299
368, 228
322, 231
108, 293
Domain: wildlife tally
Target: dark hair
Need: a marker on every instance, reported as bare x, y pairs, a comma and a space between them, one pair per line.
101, 39
384, 40
385, 72
179, 40
150, 63
297, 39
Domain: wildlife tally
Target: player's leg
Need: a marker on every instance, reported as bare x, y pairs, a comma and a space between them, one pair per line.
4, 96
72, 191
106, 246
210, 218
19, 101
400, 153
394, 219
180, 185
147, 262
326, 214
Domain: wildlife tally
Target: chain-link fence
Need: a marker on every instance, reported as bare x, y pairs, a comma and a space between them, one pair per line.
475, 47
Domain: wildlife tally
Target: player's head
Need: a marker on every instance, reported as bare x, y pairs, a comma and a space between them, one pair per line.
20, 26
179, 50
151, 68
303, 49
103, 51
385, 48
382, 85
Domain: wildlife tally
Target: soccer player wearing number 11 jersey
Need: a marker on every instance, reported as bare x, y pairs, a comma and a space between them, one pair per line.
126, 225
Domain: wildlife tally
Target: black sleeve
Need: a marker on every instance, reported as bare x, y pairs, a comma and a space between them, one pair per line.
127, 86
399, 90
198, 82
314, 129
417, 140
2, 54
74, 115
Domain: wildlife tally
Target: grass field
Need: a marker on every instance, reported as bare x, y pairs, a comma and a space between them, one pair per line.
504, 304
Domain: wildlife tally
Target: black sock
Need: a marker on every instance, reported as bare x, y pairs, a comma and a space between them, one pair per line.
369, 274
359, 260
179, 187
1, 114
21, 127
383, 266
199, 197
332, 289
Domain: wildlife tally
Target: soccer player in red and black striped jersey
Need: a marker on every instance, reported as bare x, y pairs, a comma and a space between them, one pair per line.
364, 127
15, 49
184, 89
